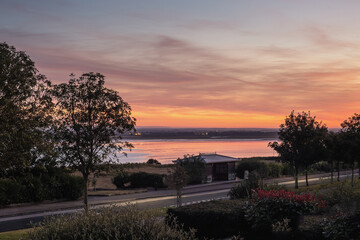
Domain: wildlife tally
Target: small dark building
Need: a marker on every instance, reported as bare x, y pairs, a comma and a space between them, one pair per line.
219, 167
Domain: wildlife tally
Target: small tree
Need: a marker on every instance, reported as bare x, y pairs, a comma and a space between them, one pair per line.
194, 167
302, 141
90, 118
351, 127
177, 180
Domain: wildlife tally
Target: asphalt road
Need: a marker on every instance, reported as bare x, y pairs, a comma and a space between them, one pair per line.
163, 198
24, 221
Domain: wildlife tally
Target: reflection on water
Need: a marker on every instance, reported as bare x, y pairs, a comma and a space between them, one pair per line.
166, 150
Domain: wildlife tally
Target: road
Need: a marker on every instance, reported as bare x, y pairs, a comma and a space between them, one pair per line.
159, 199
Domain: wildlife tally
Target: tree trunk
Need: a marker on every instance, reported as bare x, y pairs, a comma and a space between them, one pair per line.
332, 171
358, 169
86, 179
178, 198
306, 177
338, 175
296, 178
352, 175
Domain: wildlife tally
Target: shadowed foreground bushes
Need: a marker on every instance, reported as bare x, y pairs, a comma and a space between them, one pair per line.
39, 185
115, 223
215, 219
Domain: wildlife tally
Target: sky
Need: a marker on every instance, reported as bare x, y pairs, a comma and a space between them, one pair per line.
201, 63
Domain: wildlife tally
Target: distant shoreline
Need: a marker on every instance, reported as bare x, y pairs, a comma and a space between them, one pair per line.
202, 134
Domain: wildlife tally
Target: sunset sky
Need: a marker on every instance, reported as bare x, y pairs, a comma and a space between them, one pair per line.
194, 63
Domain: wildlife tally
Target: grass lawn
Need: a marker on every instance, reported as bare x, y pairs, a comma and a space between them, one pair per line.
13, 235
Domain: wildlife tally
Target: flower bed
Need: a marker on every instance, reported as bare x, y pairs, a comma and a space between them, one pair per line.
269, 207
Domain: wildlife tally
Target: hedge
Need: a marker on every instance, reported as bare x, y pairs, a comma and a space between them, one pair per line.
214, 219
39, 187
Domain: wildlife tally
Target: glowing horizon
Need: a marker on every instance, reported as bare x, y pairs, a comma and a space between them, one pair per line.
201, 64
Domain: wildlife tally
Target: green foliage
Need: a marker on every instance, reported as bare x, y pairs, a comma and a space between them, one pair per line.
89, 117
215, 219
341, 193
301, 141
10, 192
249, 165
40, 185
143, 179
275, 170
116, 223
264, 169
121, 179
153, 162
269, 207
243, 189
342, 227
25, 113
322, 166
194, 167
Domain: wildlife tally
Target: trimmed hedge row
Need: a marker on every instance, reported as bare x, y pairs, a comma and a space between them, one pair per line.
215, 219
265, 170
138, 180
34, 188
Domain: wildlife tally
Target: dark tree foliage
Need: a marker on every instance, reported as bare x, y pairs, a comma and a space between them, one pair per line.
194, 167
351, 128
177, 179
90, 118
25, 113
302, 141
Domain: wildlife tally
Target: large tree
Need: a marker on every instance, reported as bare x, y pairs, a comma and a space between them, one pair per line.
25, 112
351, 128
90, 122
302, 141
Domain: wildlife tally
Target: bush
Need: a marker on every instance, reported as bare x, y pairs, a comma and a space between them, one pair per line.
125, 223
243, 189
322, 166
39, 185
152, 161
194, 167
270, 207
266, 170
143, 179
342, 193
260, 167
10, 192
72, 187
215, 219
342, 227
121, 179
275, 170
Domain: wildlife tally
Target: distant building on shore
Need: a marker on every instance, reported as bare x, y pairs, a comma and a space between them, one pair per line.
219, 167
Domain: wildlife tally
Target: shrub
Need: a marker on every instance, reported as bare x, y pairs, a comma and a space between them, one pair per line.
342, 193
260, 167
322, 166
269, 207
152, 161
215, 219
342, 227
10, 192
143, 179
125, 223
194, 167
121, 179
40, 185
275, 170
71, 186
243, 189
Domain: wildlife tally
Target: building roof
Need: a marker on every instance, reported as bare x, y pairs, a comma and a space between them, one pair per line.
215, 158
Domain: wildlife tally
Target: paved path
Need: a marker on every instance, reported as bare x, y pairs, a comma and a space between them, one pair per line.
13, 218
